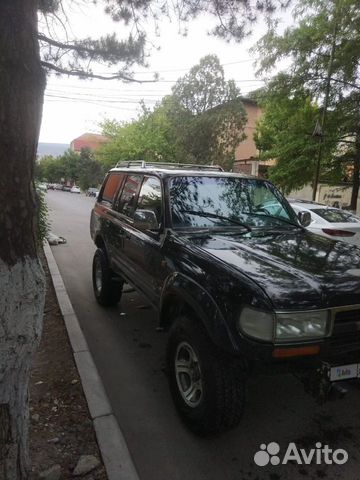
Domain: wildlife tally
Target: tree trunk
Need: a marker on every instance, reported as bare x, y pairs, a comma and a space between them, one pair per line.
356, 178
22, 286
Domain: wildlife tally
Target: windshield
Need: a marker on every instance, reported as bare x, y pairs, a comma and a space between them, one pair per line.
220, 201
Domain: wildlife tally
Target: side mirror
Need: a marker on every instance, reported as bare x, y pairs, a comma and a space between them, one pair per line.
145, 220
304, 218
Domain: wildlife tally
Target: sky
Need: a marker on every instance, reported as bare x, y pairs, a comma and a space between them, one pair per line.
73, 106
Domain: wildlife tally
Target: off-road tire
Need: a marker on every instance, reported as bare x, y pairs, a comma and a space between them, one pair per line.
107, 288
223, 381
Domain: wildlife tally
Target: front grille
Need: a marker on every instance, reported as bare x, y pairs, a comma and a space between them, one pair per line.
348, 340
347, 316
346, 332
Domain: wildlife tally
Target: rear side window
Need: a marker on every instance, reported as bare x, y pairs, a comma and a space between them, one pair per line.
112, 184
335, 216
129, 195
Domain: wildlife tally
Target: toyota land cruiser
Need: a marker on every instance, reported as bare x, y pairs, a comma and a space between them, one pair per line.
237, 281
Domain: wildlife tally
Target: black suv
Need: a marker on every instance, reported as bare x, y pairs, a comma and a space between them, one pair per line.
236, 278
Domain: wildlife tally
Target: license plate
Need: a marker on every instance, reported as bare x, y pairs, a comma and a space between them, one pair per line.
343, 372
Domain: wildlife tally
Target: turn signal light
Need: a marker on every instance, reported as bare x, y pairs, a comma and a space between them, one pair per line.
296, 351
338, 233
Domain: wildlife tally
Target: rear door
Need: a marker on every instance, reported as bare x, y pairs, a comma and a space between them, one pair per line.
102, 214
122, 219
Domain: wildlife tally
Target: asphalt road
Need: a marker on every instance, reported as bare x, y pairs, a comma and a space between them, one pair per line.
129, 355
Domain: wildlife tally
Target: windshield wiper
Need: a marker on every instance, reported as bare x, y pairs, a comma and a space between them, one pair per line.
277, 218
215, 215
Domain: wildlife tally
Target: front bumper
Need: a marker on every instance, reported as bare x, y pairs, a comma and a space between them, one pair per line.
342, 347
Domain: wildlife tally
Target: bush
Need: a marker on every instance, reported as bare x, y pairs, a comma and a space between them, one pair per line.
43, 223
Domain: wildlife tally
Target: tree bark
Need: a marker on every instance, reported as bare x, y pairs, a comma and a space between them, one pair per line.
22, 287
356, 177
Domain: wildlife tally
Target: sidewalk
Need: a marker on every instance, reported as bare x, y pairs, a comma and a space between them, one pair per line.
70, 417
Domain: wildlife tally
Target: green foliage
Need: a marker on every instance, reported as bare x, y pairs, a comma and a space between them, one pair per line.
324, 29
90, 172
149, 138
82, 169
70, 165
43, 223
201, 122
308, 44
207, 115
204, 87
210, 137
284, 133
50, 169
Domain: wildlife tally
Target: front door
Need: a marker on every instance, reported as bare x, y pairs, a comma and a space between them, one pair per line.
144, 238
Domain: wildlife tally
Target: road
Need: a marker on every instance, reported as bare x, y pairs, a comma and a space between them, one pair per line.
129, 354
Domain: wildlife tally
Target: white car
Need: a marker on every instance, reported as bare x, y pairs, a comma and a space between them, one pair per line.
330, 222
75, 189
42, 186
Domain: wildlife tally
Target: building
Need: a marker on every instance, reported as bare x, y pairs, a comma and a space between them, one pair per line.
246, 154
247, 162
93, 141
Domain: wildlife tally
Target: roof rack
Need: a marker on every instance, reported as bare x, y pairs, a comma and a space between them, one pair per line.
181, 166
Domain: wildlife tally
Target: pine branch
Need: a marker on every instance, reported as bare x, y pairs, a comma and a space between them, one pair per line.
68, 46
106, 48
84, 74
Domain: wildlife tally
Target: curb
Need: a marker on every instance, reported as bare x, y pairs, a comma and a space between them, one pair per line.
114, 451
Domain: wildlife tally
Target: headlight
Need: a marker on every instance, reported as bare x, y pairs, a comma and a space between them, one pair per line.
302, 325
257, 323
288, 326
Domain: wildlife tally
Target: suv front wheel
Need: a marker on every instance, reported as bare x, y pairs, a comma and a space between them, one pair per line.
207, 387
107, 288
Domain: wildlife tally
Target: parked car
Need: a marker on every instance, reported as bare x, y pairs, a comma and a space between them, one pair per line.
75, 189
240, 289
330, 222
92, 192
66, 188
42, 186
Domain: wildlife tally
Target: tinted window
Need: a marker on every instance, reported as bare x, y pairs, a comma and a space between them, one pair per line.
335, 216
150, 197
129, 194
112, 184
254, 202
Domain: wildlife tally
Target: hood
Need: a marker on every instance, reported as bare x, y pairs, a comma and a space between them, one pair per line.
296, 269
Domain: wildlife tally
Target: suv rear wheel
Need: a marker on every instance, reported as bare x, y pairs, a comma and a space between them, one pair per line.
107, 288
207, 387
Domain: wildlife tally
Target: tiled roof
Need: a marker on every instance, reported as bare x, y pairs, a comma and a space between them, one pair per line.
88, 140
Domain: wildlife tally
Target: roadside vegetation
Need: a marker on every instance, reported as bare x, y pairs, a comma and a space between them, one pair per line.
311, 121
82, 169
201, 122
43, 222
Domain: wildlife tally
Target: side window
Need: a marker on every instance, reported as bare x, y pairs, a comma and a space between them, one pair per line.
129, 194
150, 198
112, 184
266, 202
